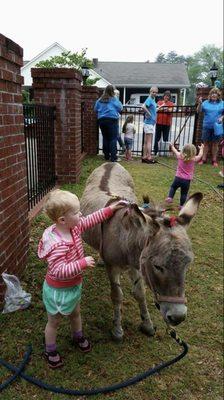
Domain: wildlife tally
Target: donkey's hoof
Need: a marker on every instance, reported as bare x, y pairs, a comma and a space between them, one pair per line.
117, 336
147, 330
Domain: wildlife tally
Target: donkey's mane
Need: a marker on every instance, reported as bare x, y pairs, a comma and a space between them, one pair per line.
151, 209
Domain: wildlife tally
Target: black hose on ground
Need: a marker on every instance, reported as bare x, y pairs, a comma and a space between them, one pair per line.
90, 392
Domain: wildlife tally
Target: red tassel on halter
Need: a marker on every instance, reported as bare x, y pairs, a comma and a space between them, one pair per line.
173, 220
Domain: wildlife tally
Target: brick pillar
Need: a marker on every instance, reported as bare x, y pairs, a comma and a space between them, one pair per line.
201, 92
61, 87
90, 129
14, 223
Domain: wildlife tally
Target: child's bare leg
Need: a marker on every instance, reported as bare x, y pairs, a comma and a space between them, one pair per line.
53, 357
75, 320
76, 328
51, 328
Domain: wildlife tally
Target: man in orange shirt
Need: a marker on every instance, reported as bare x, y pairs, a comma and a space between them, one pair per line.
164, 119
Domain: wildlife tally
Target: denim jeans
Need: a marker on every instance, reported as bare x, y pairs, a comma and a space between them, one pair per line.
184, 185
109, 129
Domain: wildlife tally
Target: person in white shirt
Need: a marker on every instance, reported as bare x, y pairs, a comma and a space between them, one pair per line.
129, 132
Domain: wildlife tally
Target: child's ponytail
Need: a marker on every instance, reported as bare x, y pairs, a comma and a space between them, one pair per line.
189, 152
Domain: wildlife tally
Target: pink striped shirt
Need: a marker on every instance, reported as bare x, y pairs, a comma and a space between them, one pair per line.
66, 260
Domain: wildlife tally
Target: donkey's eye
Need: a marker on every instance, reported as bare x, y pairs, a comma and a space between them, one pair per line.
158, 268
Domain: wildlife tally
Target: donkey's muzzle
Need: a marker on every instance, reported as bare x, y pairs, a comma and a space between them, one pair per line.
173, 314
176, 319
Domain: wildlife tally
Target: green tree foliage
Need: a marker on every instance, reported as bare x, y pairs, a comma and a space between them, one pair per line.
69, 60
26, 97
171, 58
198, 66
161, 58
200, 63
65, 60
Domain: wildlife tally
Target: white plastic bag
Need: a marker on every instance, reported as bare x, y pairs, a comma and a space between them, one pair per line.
15, 297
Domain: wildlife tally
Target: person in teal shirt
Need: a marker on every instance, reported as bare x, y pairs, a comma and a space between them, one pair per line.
149, 108
213, 110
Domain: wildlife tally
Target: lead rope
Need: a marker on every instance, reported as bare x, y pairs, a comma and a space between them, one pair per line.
91, 392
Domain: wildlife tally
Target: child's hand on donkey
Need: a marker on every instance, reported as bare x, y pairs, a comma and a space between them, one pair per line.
118, 205
90, 261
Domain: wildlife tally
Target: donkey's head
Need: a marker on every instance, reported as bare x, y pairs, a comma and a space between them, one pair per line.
165, 259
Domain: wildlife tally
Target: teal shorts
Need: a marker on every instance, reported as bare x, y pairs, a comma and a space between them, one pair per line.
61, 300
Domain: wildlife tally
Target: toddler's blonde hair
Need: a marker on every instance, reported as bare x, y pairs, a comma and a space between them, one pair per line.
59, 202
189, 152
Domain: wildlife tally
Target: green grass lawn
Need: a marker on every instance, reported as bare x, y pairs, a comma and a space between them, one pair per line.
197, 377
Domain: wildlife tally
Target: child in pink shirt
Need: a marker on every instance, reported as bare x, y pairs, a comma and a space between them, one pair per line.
61, 246
185, 171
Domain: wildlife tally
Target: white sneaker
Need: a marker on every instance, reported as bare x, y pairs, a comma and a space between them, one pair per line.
221, 174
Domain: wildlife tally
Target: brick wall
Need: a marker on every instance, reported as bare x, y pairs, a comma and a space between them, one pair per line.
201, 92
90, 129
14, 223
61, 87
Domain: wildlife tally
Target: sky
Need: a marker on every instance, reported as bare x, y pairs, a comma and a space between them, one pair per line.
114, 30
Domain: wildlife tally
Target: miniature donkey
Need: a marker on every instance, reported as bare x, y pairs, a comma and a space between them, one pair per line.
152, 247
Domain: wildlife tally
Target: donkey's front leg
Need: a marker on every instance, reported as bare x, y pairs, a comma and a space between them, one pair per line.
138, 292
117, 298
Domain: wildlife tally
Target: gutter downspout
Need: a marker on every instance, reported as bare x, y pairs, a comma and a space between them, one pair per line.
124, 96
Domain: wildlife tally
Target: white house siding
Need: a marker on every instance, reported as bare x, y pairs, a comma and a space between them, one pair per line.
54, 50
101, 83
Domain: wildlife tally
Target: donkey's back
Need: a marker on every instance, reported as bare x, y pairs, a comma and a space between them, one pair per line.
106, 181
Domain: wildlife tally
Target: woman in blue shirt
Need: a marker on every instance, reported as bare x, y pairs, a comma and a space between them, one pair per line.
213, 110
108, 109
149, 108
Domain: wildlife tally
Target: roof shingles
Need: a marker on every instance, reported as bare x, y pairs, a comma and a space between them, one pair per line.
143, 74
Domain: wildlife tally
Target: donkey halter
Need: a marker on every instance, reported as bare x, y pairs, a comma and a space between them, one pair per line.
162, 298
158, 298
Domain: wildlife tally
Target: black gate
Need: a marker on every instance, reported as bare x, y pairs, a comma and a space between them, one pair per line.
182, 128
39, 142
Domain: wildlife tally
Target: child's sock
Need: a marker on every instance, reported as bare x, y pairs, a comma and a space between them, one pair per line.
50, 347
77, 335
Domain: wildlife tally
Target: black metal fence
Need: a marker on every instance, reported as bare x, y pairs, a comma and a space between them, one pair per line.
182, 128
39, 141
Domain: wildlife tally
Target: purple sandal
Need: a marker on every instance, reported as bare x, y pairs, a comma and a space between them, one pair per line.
83, 344
54, 359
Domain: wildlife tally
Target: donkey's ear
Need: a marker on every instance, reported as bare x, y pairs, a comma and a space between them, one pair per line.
189, 209
139, 212
133, 217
